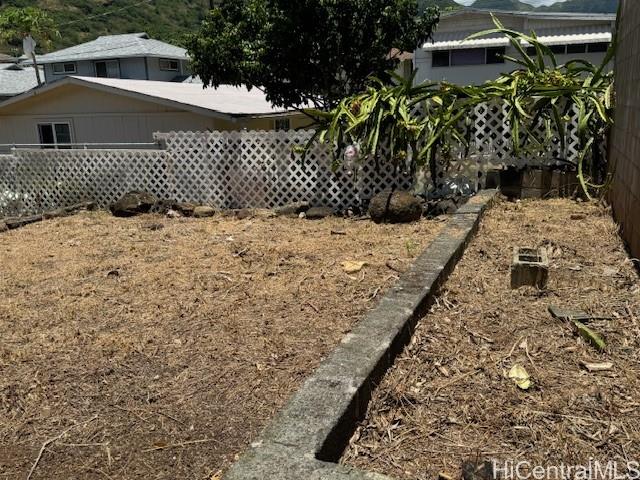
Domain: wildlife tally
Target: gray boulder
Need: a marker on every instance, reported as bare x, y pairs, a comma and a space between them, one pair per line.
133, 203
395, 207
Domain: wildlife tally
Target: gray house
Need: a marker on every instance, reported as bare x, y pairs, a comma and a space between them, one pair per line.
132, 56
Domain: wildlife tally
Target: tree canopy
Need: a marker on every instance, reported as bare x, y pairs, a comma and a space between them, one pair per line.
307, 51
15, 23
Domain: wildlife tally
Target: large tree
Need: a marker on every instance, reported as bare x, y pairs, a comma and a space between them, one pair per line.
18, 23
306, 51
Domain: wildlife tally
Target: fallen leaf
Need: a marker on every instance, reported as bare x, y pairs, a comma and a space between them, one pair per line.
590, 336
353, 267
521, 377
597, 367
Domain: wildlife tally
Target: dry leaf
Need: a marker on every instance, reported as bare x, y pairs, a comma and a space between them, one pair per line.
598, 367
521, 377
351, 266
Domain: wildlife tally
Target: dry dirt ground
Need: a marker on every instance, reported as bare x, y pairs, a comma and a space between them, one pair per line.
448, 399
158, 348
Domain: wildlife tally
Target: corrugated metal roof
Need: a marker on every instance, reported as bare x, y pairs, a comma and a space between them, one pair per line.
15, 80
116, 46
548, 36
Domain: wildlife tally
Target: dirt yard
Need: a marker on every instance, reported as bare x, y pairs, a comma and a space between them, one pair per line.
158, 348
448, 399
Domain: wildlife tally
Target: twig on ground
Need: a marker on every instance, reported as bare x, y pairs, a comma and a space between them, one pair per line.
53, 439
181, 444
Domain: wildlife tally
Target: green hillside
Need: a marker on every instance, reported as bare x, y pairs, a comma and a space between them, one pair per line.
575, 6
83, 20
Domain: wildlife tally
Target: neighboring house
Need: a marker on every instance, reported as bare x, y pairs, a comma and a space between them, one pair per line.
16, 79
98, 110
450, 57
129, 56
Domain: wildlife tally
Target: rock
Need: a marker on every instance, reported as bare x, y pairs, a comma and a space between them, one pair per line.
295, 208
203, 211
395, 207
317, 213
3, 227
173, 214
185, 209
133, 203
243, 214
444, 207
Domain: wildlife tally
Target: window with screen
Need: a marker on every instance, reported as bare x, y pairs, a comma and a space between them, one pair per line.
169, 65
282, 124
495, 55
468, 56
576, 48
598, 47
440, 58
64, 68
54, 135
108, 69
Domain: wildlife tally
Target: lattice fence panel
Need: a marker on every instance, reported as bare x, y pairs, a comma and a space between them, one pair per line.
248, 169
40, 180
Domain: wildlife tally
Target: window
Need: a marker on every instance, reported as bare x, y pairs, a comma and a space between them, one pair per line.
169, 65
576, 48
440, 58
468, 56
282, 124
598, 47
495, 55
108, 69
64, 68
54, 135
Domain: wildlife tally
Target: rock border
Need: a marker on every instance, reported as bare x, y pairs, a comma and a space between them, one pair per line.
306, 439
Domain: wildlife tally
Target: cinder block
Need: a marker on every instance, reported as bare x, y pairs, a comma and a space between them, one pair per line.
530, 267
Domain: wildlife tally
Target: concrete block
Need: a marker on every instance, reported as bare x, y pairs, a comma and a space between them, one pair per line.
530, 267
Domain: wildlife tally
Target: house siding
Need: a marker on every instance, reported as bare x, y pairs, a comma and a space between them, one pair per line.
101, 117
471, 23
625, 139
133, 68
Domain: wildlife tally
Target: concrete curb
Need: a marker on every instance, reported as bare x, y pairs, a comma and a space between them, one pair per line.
307, 438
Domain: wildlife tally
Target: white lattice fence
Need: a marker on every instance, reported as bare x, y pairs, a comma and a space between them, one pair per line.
243, 169
40, 180
259, 169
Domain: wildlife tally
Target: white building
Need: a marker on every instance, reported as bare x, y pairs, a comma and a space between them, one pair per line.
452, 58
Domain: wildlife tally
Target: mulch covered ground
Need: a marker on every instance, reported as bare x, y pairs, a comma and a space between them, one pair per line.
158, 348
448, 399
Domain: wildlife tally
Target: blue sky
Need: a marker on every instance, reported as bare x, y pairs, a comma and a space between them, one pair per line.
537, 3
